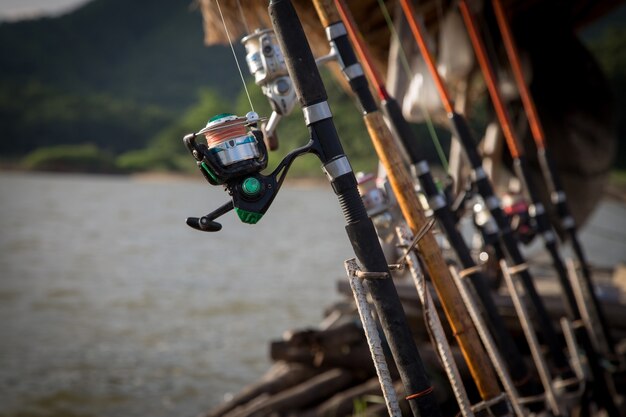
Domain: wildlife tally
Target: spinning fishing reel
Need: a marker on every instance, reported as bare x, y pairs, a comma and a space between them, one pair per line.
516, 208
376, 199
234, 156
383, 209
267, 64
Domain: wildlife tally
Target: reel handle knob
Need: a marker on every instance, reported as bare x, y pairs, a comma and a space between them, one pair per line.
203, 224
207, 223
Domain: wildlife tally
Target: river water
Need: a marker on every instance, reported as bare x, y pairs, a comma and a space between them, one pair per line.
111, 306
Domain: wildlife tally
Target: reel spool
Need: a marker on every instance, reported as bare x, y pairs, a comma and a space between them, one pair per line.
228, 138
233, 148
267, 64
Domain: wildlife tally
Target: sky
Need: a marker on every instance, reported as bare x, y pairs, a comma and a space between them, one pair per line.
15, 9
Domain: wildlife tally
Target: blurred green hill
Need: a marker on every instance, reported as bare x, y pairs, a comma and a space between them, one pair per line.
115, 84
112, 73
124, 80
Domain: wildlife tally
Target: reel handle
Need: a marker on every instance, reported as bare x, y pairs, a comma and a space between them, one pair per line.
269, 131
207, 223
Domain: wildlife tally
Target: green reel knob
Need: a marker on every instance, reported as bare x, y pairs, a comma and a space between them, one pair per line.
251, 187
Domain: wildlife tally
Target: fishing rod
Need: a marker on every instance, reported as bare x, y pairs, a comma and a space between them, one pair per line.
266, 62
553, 399
490, 345
599, 385
262, 54
437, 201
432, 320
551, 175
235, 155
401, 183
360, 229
485, 189
374, 341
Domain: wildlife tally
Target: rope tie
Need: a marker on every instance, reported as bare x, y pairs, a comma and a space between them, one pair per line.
419, 394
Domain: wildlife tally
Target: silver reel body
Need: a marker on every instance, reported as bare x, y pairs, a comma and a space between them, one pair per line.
267, 64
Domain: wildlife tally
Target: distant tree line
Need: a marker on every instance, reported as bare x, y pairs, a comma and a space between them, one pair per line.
126, 80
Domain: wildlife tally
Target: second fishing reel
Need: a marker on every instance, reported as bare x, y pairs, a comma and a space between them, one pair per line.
267, 64
234, 156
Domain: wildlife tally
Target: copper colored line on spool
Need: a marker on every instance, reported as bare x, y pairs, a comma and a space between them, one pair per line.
223, 134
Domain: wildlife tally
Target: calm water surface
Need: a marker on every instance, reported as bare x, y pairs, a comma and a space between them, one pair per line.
111, 306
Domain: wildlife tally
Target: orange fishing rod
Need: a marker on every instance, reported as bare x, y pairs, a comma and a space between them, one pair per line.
527, 100
490, 80
599, 386
485, 188
420, 38
548, 168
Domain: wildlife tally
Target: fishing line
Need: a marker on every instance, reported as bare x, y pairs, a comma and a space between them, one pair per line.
232, 48
394, 33
407, 67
